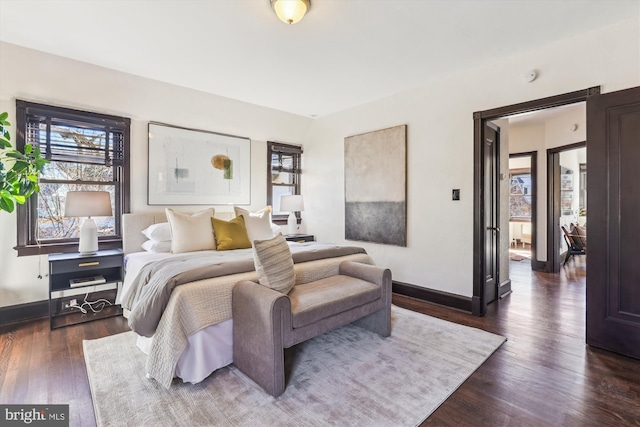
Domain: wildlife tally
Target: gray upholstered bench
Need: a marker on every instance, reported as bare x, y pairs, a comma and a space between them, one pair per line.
265, 322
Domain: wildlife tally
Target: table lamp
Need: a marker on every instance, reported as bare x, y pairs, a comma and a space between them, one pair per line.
88, 204
292, 204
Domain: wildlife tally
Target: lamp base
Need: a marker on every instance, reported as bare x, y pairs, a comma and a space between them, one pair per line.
292, 224
88, 237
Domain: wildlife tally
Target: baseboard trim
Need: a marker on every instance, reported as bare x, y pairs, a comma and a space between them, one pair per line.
539, 265
433, 296
476, 308
23, 312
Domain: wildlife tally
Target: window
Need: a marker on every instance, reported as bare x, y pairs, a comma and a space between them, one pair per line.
284, 176
520, 195
86, 152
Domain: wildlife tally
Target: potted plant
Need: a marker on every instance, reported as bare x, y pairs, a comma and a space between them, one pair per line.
18, 171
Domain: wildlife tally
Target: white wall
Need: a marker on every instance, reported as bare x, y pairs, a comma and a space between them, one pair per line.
439, 116
35, 76
503, 235
440, 141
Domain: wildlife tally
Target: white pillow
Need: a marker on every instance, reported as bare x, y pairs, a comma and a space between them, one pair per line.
275, 229
191, 232
258, 223
160, 232
156, 247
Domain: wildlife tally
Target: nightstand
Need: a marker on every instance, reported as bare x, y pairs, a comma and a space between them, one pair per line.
300, 238
83, 287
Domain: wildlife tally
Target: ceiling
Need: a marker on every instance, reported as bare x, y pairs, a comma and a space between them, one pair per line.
577, 109
343, 53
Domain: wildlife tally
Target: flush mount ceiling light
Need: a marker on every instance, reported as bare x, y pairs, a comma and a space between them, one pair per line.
290, 11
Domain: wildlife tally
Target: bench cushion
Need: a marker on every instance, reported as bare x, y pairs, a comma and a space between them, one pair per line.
312, 302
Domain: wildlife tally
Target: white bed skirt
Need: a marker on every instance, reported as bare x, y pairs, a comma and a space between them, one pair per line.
207, 350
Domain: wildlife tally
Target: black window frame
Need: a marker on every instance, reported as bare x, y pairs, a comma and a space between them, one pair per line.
291, 150
27, 215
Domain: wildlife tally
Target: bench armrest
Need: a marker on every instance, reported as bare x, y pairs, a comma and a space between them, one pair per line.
370, 273
259, 314
256, 306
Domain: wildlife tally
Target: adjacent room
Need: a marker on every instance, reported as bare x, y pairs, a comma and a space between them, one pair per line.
319, 212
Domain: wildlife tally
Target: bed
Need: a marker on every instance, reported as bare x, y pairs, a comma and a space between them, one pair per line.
193, 336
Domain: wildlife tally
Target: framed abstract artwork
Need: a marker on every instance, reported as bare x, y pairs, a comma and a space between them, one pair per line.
375, 181
196, 167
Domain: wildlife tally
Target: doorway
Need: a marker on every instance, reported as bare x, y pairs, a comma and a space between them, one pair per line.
522, 205
613, 276
481, 296
566, 199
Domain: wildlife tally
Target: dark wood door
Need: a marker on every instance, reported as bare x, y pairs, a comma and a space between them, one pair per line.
613, 221
491, 209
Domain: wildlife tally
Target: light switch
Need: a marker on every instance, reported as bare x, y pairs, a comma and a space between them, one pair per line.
455, 194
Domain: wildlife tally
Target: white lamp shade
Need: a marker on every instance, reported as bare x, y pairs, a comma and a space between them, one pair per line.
290, 11
291, 203
88, 204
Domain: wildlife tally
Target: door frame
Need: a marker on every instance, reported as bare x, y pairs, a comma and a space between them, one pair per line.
553, 203
478, 301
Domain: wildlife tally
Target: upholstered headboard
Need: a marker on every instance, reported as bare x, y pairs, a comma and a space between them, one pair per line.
134, 223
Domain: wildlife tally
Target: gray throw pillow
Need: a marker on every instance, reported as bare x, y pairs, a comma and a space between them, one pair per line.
274, 264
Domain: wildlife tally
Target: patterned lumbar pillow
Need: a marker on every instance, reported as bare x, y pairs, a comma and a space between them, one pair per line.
274, 264
230, 234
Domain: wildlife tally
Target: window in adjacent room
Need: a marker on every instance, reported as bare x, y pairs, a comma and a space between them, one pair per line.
284, 171
86, 152
520, 194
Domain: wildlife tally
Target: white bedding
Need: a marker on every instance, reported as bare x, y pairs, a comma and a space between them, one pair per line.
210, 348
207, 350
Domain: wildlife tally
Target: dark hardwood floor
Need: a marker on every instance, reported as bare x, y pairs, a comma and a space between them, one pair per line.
544, 375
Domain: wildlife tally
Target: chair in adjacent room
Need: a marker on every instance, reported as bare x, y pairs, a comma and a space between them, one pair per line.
576, 240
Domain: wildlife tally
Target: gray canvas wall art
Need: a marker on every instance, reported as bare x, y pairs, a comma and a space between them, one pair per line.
375, 179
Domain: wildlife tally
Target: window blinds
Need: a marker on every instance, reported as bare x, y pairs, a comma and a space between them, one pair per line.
285, 158
62, 136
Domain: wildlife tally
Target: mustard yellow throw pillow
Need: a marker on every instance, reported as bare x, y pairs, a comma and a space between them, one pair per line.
230, 234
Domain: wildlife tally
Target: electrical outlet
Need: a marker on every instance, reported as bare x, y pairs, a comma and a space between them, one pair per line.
71, 303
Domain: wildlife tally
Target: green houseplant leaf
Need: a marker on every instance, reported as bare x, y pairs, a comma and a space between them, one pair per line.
19, 172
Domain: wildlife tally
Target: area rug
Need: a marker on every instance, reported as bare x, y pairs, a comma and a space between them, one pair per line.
346, 377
